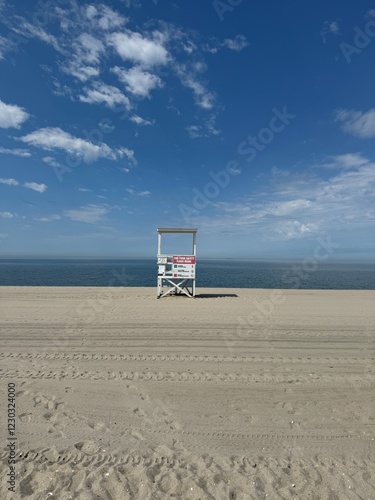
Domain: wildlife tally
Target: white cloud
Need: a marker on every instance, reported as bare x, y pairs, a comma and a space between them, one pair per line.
195, 131
9, 182
135, 3
288, 207
334, 27
132, 191
26, 29
140, 121
301, 205
82, 36
89, 214
51, 138
237, 44
207, 129
100, 93
129, 154
29, 185
86, 53
89, 49
356, 123
12, 115
349, 160
137, 81
134, 47
329, 28
40, 188
104, 18
6, 215
204, 98
295, 229
16, 152
49, 218
89, 34
81, 71
51, 161
85, 190
5, 46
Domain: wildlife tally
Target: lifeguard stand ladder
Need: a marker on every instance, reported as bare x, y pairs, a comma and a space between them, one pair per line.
176, 272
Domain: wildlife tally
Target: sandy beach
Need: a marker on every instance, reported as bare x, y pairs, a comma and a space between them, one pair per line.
237, 394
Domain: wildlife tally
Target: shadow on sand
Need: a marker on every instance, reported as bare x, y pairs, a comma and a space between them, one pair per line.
214, 295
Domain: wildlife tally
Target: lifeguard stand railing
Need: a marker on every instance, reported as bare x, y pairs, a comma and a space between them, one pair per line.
176, 273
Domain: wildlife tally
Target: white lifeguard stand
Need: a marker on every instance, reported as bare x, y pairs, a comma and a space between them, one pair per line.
176, 272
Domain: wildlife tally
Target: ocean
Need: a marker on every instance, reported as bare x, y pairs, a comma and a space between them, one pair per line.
210, 273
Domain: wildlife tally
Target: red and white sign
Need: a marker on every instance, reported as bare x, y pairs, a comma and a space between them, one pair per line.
184, 271
184, 259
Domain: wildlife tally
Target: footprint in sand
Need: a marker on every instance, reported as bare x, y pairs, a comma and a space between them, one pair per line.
25, 417
88, 447
97, 426
141, 413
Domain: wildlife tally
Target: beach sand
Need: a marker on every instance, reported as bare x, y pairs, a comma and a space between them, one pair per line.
225, 396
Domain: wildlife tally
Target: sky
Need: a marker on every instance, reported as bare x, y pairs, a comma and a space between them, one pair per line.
252, 121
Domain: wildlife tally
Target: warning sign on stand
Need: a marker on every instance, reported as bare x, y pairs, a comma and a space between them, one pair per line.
184, 259
183, 266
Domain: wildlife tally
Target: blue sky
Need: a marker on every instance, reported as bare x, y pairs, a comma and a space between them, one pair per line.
253, 121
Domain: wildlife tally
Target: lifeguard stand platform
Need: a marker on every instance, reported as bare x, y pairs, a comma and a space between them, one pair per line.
176, 273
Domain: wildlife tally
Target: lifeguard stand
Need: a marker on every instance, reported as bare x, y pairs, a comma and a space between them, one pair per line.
176, 272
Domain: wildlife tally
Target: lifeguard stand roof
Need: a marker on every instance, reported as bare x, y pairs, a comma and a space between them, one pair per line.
177, 230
